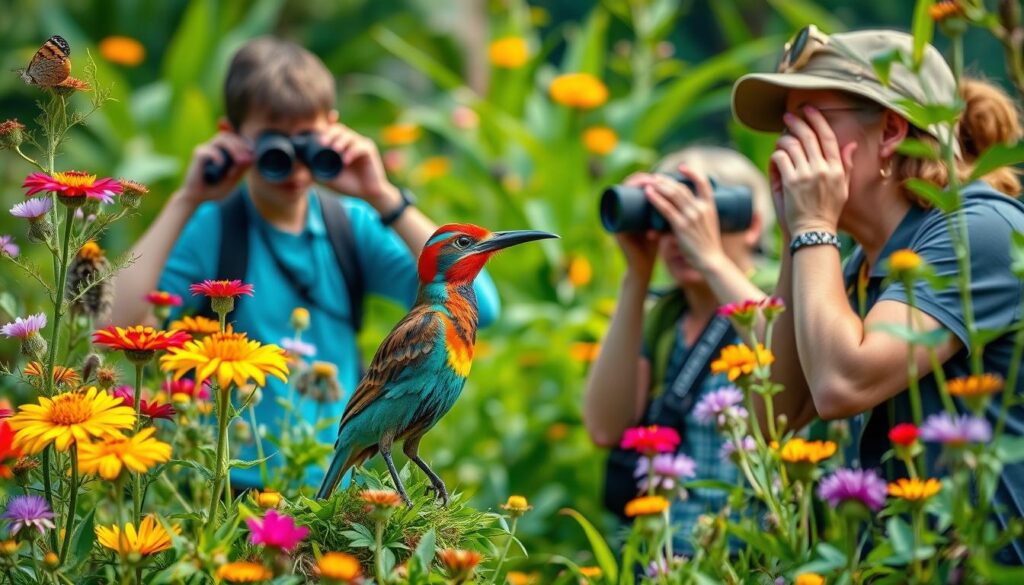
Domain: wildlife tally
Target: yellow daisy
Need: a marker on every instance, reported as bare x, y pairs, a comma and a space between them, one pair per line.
798, 450
338, 566
914, 490
67, 418
227, 357
138, 453
149, 539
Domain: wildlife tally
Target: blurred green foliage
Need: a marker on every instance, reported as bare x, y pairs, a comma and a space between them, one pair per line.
668, 65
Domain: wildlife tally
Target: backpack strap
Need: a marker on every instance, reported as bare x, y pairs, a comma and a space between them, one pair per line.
343, 242
233, 256
659, 333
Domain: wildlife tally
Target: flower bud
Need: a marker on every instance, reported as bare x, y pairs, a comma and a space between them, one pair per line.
34, 347
11, 134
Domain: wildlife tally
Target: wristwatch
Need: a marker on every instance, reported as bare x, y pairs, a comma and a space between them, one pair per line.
408, 199
813, 239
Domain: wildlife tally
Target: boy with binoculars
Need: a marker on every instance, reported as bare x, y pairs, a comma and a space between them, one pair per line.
249, 193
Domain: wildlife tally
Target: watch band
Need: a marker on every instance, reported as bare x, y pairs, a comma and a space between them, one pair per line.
408, 200
813, 239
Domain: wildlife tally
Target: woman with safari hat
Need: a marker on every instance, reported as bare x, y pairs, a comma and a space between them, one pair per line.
837, 167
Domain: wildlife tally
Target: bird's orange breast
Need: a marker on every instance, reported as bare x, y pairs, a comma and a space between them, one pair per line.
460, 350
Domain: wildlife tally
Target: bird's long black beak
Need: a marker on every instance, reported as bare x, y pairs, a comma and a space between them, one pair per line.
501, 240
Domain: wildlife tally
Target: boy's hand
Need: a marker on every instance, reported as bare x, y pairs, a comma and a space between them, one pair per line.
196, 188
363, 174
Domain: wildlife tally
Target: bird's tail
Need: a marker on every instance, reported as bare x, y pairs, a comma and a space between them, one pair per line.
339, 465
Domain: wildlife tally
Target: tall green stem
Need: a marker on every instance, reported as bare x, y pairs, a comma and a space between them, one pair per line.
72, 505
58, 305
48, 491
223, 398
137, 477
504, 552
379, 556
264, 474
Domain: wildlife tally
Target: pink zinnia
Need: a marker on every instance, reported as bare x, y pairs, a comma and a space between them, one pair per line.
160, 298
651, 440
854, 485
220, 288
743, 313
24, 328
276, 530
186, 387
73, 184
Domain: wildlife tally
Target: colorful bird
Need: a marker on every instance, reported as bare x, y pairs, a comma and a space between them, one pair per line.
419, 370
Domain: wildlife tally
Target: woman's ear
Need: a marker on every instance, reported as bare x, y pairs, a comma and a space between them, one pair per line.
894, 130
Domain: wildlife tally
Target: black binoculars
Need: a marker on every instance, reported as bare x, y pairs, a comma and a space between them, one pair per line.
626, 209
276, 154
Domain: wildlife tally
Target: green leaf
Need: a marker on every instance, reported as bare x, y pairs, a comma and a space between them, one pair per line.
933, 338
244, 464
85, 536
425, 549
918, 149
588, 48
883, 63
997, 156
937, 196
397, 45
925, 115
800, 13
1017, 253
189, 50
1010, 449
602, 552
923, 29
202, 469
710, 484
901, 535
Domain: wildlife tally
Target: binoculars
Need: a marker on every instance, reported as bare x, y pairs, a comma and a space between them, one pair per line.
626, 209
276, 154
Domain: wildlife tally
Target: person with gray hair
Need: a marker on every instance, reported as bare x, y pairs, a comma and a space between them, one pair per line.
641, 357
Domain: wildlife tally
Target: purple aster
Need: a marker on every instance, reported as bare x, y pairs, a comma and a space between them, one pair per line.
8, 247
28, 512
955, 432
665, 471
24, 328
298, 347
32, 208
728, 450
718, 405
859, 485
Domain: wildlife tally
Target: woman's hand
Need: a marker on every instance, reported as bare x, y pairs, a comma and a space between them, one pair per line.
814, 173
692, 217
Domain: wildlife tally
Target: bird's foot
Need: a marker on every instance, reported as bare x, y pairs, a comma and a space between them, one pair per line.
439, 491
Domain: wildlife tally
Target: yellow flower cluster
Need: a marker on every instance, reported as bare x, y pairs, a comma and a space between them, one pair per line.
509, 52
798, 450
579, 90
739, 360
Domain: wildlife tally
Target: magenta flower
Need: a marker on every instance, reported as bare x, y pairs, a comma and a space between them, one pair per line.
771, 307
955, 432
728, 449
8, 247
719, 405
151, 408
298, 347
186, 388
743, 313
665, 471
73, 185
24, 328
28, 512
276, 530
33, 208
650, 440
854, 485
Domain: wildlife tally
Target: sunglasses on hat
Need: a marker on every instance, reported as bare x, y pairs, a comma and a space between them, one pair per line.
799, 49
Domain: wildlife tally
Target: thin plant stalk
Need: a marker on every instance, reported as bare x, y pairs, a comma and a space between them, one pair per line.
58, 305
137, 477
504, 552
223, 397
72, 505
379, 554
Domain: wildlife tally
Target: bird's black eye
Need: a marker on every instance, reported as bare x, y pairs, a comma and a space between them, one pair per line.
463, 242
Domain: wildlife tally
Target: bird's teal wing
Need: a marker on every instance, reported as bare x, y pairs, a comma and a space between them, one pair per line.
409, 342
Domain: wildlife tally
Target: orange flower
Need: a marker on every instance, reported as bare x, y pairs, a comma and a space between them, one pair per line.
974, 386
197, 325
460, 563
400, 134
739, 360
579, 90
381, 498
646, 506
509, 52
914, 490
944, 9
591, 572
130, 187
798, 450
122, 50
579, 272
584, 351
904, 261
244, 572
432, 168
61, 374
139, 342
338, 566
809, 579
71, 84
516, 506
600, 140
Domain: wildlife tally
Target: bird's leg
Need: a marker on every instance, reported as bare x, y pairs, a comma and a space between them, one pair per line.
411, 448
385, 452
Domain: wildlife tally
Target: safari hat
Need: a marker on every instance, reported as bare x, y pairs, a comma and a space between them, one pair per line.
843, 62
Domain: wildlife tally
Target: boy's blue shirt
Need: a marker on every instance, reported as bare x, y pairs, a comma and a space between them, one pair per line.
389, 269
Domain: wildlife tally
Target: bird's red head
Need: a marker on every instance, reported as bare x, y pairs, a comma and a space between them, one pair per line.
457, 252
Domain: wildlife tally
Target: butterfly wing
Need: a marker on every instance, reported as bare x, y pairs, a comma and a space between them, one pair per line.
50, 65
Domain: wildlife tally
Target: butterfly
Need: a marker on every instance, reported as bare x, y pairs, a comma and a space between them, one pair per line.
50, 65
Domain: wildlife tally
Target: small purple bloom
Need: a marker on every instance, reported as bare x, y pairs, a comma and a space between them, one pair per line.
8, 247
666, 470
728, 450
955, 432
864, 486
24, 328
29, 512
298, 347
33, 208
717, 405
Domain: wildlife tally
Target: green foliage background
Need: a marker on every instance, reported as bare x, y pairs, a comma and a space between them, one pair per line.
669, 65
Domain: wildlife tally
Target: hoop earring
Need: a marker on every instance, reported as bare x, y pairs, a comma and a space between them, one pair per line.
886, 172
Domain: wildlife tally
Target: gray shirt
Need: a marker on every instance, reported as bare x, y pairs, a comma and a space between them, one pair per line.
996, 295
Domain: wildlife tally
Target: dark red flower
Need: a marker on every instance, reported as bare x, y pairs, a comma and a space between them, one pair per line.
904, 434
153, 410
